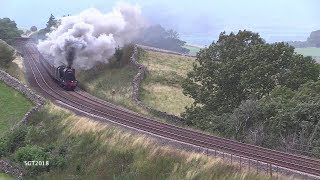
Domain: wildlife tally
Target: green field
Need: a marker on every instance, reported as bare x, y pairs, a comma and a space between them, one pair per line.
193, 49
4, 176
161, 88
13, 106
309, 51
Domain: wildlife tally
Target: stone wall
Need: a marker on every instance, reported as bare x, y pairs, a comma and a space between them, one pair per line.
136, 88
163, 51
7, 168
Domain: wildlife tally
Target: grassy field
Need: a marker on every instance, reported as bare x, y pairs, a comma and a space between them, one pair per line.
13, 106
308, 51
162, 87
193, 49
314, 52
79, 148
4, 176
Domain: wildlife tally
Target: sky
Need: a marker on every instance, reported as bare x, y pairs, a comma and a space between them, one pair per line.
198, 22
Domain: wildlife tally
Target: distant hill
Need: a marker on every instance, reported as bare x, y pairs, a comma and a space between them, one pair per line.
312, 41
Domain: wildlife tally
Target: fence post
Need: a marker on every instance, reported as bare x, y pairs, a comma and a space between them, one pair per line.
257, 166
270, 166
240, 163
223, 155
249, 163
215, 153
231, 159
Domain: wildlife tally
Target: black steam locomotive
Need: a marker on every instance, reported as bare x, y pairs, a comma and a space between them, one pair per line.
64, 75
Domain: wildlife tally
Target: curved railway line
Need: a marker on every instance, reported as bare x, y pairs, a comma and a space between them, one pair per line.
80, 101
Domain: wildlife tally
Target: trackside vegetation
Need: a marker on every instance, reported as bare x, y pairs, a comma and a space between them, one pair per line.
77, 147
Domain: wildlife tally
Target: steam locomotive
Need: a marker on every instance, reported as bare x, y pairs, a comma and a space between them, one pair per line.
64, 75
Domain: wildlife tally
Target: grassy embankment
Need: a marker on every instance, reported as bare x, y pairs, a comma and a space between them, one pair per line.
81, 148
112, 82
162, 87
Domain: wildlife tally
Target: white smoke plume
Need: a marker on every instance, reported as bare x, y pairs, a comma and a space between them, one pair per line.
92, 36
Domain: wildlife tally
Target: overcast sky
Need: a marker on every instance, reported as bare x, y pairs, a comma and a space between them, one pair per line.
285, 18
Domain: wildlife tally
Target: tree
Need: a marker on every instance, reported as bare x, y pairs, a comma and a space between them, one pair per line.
159, 37
52, 22
6, 54
8, 30
293, 117
41, 34
33, 29
242, 66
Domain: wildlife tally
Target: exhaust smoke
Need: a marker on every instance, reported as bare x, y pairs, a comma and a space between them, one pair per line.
91, 37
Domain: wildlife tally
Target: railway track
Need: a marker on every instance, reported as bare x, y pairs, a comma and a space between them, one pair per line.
81, 101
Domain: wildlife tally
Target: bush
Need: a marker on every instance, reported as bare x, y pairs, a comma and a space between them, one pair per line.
6, 54
32, 153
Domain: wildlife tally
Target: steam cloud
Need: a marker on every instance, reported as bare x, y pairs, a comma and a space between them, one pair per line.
91, 37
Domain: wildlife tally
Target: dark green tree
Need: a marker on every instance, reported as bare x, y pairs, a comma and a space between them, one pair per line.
6, 54
41, 34
33, 29
52, 22
159, 37
293, 117
242, 66
8, 30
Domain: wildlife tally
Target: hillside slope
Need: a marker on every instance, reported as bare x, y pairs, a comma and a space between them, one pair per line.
77, 147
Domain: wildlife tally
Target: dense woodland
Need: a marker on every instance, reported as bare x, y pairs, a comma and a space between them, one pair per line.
256, 92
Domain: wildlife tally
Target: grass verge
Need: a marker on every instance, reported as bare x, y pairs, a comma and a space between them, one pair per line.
13, 106
162, 87
79, 148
